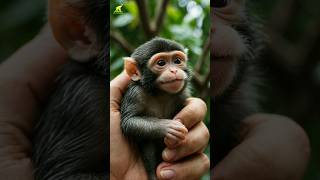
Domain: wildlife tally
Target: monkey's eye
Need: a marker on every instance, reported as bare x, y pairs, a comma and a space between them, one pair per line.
161, 62
220, 3
177, 61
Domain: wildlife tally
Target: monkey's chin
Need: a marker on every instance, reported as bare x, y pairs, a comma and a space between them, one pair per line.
172, 87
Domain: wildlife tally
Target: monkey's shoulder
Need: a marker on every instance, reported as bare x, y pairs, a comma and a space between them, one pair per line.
161, 105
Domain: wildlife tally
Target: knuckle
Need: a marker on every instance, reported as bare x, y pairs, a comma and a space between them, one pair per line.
192, 142
203, 105
200, 108
206, 162
206, 132
199, 103
302, 140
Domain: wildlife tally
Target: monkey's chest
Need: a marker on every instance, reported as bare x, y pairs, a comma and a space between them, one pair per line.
161, 108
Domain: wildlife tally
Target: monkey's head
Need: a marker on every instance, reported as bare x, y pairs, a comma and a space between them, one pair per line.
234, 43
80, 26
159, 64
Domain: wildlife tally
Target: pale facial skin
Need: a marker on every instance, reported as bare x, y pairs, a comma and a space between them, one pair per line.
169, 66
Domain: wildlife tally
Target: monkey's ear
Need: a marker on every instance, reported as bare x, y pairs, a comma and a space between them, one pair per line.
130, 65
71, 31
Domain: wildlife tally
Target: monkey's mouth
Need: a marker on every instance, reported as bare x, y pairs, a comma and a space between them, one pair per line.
172, 81
172, 86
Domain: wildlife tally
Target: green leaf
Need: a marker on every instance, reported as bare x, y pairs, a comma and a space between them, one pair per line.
118, 64
122, 20
132, 8
173, 13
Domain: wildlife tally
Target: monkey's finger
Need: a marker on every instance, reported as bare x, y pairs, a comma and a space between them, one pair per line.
172, 138
179, 127
117, 88
192, 167
195, 141
194, 112
180, 135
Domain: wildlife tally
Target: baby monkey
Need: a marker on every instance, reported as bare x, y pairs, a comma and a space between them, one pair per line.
158, 91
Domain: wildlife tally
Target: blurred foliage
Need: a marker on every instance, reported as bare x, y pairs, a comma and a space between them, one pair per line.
20, 21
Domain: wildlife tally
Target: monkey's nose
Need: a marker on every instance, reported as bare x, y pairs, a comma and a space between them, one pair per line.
174, 71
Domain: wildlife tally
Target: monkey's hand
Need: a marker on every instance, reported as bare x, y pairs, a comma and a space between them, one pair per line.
174, 130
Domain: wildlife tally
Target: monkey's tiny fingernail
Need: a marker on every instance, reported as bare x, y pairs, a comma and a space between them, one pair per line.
167, 174
169, 154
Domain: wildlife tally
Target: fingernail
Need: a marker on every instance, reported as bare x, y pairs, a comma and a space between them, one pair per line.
169, 154
167, 174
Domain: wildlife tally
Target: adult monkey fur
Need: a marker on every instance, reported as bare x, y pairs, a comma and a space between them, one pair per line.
158, 91
236, 45
69, 140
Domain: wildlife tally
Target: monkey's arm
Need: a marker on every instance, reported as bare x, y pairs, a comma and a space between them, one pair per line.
152, 128
69, 139
135, 123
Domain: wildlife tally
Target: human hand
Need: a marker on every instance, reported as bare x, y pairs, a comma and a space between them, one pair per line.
274, 147
25, 81
182, 160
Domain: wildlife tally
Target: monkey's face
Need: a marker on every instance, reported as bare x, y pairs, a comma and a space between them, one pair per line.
170, 70
159, 65
226, 42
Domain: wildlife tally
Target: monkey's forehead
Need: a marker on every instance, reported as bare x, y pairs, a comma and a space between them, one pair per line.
175, 53
154, 46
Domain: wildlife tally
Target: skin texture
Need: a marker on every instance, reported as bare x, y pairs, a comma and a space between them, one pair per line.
275, 147
126, 165
25, 83
170, 71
